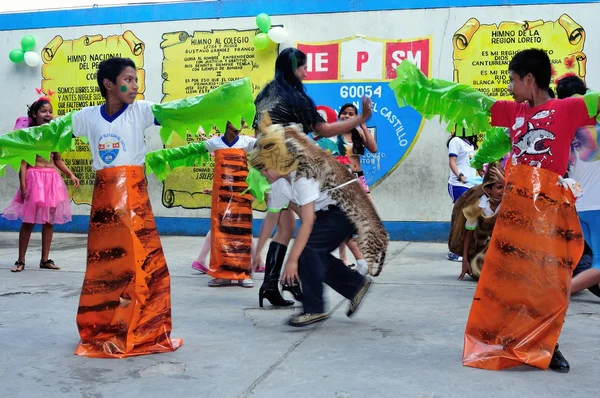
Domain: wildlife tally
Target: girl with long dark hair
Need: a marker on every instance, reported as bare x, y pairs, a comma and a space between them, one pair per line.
286, 101
42, 197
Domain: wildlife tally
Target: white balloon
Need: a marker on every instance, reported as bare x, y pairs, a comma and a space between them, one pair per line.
32, 59
278, 34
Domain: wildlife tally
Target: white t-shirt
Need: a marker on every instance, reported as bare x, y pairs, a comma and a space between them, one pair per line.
116, 140
587, 174
464, 152
484, 204
300, 192
241, 141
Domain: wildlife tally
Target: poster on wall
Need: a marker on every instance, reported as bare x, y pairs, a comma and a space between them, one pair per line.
482, 52
69, 74
343, 71
195, 64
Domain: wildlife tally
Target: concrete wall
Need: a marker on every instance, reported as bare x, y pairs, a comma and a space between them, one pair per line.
411, 194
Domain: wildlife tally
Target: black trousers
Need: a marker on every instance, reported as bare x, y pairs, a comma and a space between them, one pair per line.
317, 265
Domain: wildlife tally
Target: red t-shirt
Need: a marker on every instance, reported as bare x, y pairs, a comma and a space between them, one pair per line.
541, 136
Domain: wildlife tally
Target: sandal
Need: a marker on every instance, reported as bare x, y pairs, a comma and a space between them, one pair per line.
19, 266
48, 264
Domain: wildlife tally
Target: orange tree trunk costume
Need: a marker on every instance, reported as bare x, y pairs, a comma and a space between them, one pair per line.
523, 292
231, 210
231, 217
125, 307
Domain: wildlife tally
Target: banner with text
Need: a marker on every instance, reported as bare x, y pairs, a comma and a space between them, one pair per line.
345, 70
482, 52
69, 76
195, 64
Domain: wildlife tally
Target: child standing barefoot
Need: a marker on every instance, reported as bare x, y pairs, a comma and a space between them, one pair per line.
42, 197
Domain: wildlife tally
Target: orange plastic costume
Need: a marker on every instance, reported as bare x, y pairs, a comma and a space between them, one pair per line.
125, 304
231, 217
523, 292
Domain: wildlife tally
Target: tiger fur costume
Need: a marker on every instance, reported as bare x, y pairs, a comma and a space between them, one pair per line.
286, 149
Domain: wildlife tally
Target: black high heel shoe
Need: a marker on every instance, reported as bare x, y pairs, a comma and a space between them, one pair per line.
274, 297
295, 290
270, 287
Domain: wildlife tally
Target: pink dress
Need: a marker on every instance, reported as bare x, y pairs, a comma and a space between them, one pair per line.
47, 200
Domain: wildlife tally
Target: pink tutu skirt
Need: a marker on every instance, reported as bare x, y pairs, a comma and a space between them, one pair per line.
47, 200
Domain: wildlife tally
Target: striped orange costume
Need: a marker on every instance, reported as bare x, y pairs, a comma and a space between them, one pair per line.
125, 304
231, 216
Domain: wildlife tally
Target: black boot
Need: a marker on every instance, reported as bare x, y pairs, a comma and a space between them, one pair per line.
295, 290
558, 362
270, 286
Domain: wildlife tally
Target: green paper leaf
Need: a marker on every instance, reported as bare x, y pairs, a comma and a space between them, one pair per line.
495, 145
258, 185
456, 104
26, 144
163, 161
229, 102
591, 102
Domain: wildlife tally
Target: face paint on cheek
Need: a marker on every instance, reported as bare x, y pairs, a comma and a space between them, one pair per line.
123, 89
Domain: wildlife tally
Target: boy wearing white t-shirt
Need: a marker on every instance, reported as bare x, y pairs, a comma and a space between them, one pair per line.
124, 307
232, 139
230, 236
324, 225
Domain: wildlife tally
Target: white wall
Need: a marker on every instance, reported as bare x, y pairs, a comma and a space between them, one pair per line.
417, 189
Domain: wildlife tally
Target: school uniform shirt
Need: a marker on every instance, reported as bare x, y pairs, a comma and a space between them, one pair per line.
464, 152
300, 192
241, 141
116, 140
484, 209
541, 136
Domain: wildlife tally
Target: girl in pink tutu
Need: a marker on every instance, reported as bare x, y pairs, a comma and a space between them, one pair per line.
42, 197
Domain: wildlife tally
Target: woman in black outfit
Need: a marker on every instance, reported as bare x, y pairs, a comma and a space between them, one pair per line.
286, 101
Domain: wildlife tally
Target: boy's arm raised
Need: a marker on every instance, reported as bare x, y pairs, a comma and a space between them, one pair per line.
230, 102
163, 161
456, 104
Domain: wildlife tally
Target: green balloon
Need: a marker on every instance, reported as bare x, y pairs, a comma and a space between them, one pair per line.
263, 21
28, 43
261, 41
16, 56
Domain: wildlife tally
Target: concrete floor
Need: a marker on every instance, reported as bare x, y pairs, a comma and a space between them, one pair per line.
406, 341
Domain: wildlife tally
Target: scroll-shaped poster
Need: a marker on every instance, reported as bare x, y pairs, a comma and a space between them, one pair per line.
69, 72
482, 52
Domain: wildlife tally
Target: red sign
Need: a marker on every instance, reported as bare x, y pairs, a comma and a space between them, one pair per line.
416, 51
363, 59
322, 60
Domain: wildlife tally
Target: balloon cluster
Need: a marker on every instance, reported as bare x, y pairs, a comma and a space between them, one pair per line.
277, 34
26, 53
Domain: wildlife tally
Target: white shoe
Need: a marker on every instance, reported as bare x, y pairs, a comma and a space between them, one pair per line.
246, 283
362, 267
219, 282
454, 257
